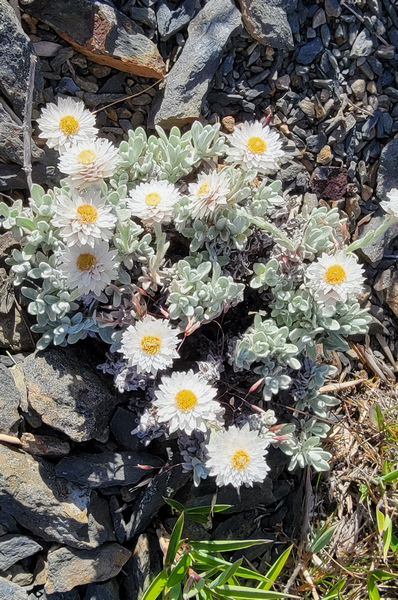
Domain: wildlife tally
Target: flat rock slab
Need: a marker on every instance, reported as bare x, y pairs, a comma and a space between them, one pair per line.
48, 506
15, 52
267, 22
11, 591
102, 33
107, 469
14, 548
10, 398
69, 394
68, 568
189, 80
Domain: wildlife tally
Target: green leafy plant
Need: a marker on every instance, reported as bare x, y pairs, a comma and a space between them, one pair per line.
197, 569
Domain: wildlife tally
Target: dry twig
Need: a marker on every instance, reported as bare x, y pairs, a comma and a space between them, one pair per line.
27, 122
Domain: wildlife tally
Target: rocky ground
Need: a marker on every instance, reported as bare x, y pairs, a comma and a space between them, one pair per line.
74, 509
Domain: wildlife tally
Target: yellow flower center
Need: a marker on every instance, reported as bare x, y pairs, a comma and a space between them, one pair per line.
85, 262
86, 157
87, 214
150, 344
256, 145
186, 400
335, 274
204, 188
69, 125
240, 459
153, 199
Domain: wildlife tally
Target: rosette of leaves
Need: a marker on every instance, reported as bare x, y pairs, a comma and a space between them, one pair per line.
202, 292
169, 156
305, 448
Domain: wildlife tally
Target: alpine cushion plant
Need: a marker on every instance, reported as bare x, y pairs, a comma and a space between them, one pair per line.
142, 245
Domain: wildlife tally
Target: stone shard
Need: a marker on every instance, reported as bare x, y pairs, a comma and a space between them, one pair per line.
15, 52
188, 82
66, 390
11, 591
68, 568
172, 19
14, 332
50, 507
14, 548
10, 398
102, 33
267, 22
107, 469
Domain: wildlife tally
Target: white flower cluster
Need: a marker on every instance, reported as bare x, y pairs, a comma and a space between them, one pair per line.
107, 239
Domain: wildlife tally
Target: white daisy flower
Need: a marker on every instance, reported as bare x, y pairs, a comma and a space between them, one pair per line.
83, 219
334, 278
88, 162
186, 402
66, 123
390, 206
90, 269
236, 456
153, 202
150, 345
208, 195
255, 146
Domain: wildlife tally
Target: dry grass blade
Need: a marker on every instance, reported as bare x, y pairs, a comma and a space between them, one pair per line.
27, 122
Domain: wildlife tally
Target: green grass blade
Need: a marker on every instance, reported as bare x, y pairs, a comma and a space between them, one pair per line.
322, 539
179, 570
275, 569
334, 591
393, 476
157, 586
174, 504
372, 589
195, 510
214, 561
243, 593
226, 546
226, 575
175, 541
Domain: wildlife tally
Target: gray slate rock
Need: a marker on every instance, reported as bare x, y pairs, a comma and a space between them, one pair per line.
72, 595
14, 548
188, 82
11, 142
387, 176
66, 390
310, 51
142, 567
172, 19
68, 568
11, 591
15, 52
50, 507
150, 500
104, 591
107, 469
10, 398
315, 143
12, 177
102, 33
122, 424
267, 21
374, 252
363, 45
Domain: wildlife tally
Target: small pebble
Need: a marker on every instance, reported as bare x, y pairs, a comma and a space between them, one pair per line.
325, 156
358, 88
